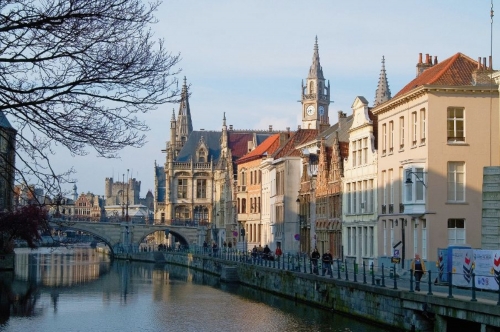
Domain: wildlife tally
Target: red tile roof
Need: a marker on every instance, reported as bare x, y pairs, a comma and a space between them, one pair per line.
238, 143
270, 145
301, 136
456, 71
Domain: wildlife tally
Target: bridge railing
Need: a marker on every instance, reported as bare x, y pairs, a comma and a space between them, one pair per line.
182, 222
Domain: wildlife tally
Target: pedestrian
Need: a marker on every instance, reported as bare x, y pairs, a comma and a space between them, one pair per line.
267, 251
418, 268
314, 260
214, 248
254, 252
278, 253
205, 246
326, 260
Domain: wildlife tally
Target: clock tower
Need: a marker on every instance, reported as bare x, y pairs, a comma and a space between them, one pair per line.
315, 96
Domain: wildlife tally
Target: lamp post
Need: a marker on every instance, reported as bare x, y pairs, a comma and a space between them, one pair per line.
409, 180
123, 196
128, 189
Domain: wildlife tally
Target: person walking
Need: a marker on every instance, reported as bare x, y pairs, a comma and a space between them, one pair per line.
418, 268
314, 260
278, 253
327, 260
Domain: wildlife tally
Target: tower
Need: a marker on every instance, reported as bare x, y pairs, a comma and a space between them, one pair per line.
383, 93
315, 96
184, 125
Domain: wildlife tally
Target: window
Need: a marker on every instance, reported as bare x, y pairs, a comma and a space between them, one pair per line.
348, 190
456, 181
384, 138
371, 193
392, 232
365, 150
243, 180
456, 231
201, 188
401, 132
414, 129
422, 125
354, 196
455, 123
391, 136
415, 239
182, 212
364, 201
354, 152
182, 188
202, 156
311, 87
391, 187
384, 188
201, 214
385, 237
414, 191
360, 152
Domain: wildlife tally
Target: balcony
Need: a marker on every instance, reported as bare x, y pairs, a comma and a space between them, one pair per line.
384, 209
391, 208
401, 208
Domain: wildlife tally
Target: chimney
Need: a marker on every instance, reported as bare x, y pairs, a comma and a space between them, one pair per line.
435, 60
270, 127
298, 127
422, 66
287, 129
490, 66
230, 127
481, 75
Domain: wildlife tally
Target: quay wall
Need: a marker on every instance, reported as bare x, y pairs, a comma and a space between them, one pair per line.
398, 309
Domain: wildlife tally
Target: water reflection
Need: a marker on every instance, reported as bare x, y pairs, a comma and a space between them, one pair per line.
56, 290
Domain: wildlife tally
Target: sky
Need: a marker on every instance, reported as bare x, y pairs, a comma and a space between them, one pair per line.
247, 59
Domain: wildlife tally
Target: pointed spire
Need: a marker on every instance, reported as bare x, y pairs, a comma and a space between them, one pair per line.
224, 120
383, 93
184, 124
173, 115
316, 71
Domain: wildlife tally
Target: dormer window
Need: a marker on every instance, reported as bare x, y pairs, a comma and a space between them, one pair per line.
202, 156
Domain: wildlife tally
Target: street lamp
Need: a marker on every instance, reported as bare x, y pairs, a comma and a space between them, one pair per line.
409, 180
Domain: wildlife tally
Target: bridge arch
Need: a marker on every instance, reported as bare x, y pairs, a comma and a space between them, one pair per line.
82, 227
178, 235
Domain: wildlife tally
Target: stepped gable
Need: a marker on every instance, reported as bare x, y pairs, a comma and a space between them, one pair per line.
211, 138
269, 146
301, 136
454, 71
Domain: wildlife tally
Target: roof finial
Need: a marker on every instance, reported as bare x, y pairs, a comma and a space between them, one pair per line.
224, 119
316, 71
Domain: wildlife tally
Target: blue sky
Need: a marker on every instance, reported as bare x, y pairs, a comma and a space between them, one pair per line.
247, 59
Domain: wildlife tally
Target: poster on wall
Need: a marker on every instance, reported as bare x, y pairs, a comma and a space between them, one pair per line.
487, 269
441, 264
462, 264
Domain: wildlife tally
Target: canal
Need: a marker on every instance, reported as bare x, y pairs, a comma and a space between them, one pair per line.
81, 290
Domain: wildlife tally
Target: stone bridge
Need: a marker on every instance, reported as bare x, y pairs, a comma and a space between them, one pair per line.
126, 237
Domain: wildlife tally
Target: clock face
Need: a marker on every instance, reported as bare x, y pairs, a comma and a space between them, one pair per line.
310, 110
321, 110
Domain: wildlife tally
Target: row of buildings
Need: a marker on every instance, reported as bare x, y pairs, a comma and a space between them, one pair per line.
400, 177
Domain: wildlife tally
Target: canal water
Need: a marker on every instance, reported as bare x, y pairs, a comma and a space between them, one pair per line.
81, 290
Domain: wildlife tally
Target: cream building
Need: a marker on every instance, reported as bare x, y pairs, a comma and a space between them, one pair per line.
434, 138
359, 227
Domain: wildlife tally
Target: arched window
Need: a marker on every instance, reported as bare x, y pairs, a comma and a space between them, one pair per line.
201, 215
311, 87
239, 206
182, 213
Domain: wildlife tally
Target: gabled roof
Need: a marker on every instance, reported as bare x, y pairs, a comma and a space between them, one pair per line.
212, 140
301, 136
270, 145
455, 71
238, 142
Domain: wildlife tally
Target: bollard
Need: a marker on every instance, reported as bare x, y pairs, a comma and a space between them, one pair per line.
450, 276
364, 272
373, 274
346, 273
305, 270
383, 276
354, 269
338, 268
473, 287
411, 281
430, 283
394, 276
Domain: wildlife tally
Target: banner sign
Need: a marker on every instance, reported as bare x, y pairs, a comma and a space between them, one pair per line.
485, 264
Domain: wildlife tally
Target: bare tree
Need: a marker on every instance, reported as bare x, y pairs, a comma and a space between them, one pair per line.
77, 73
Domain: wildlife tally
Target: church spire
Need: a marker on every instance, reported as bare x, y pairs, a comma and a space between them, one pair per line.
316, 71
383, 93
184, 124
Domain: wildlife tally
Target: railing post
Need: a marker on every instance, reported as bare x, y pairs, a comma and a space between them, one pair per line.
354, 269
373, 274
473, 287
394, 276
364, 272
338, 268
411, 281
450, 276
429, 282
305, 266
383, 276
346, 273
